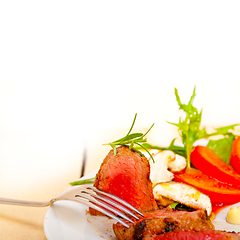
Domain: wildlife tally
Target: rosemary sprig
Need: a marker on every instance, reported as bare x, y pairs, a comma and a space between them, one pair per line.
129, 140
84, 181
132, 139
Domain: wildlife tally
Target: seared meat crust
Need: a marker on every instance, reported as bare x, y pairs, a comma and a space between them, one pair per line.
126, 175
163, 221
201, 235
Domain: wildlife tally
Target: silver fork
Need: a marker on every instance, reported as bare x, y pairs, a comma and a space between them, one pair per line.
104, 202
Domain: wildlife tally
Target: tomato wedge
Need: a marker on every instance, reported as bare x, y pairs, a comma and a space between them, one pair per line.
218, 192
207, 161
235, 155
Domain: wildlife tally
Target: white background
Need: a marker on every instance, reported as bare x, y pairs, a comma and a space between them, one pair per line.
74, 73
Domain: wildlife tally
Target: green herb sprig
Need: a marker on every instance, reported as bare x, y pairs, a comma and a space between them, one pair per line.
190, 131
181, 207
84, 181
189, 125
177, 149
132, 139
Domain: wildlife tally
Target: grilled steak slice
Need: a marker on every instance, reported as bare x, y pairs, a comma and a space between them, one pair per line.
163, 221
202, 235
126, 175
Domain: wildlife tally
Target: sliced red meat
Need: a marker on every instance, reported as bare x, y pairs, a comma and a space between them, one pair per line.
163, 221
126, 175
201, 235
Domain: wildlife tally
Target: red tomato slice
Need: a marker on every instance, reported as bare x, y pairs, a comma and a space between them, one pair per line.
235, 155
218, 192
207, 161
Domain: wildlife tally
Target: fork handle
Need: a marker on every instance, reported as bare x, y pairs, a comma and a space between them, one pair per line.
23, 202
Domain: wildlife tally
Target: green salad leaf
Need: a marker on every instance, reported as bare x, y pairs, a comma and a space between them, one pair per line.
181, 207
190, 131
177, 149
84, 181
223, 147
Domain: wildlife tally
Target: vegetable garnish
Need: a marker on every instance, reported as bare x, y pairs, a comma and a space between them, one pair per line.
177, 149
132, 139
208, 162
189, 126
84, 181
190, 131
181, 207
219, 192
235, 155
173, 205
129, 140
223, 147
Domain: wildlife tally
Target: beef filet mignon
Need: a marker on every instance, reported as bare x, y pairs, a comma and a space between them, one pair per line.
201, 235
126, 175
163, 221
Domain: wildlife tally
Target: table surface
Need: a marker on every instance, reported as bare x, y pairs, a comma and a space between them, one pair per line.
53, 177
36, 170
20, 222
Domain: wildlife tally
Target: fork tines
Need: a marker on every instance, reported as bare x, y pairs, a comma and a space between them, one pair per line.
109, 203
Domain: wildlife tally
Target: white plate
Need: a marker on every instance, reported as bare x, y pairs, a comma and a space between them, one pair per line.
66, 220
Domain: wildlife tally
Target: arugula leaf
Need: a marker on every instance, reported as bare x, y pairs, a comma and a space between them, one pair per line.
177, 149
181, 207
223, 130
173, 205
84, 181
223, 147
189, 127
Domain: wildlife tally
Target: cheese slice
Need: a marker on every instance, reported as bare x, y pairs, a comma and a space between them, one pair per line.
183, 193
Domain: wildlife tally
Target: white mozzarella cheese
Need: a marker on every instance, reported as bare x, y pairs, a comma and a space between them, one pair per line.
183, 193
164, 161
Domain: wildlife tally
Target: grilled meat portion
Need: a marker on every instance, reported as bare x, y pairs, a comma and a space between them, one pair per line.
201, 235
163, 221
126, 175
